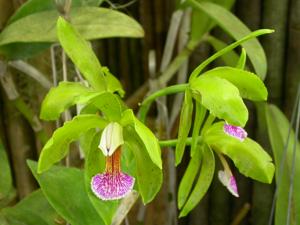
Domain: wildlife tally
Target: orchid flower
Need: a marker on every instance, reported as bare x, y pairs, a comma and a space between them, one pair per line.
113, 184
235, 131
226, 177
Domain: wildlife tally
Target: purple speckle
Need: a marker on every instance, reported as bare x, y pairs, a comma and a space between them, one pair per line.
235, 131
229, 182
112, 186
233, 187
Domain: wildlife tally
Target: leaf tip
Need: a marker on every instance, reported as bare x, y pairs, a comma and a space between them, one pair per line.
182, 214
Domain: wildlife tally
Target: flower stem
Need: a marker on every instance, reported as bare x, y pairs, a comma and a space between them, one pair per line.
230, 47
145, 106
173, 142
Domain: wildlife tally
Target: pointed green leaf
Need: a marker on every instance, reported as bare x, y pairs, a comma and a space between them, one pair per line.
235, 28
32, 210
65, 190
81, 54
249, 85
203, 182
84, 58
199, 117
110, 104
113, 83
150, 142
58, 145
148, 139
248, 156
278, 129
148, 174
184, 126
62, 97
188, 178
221, 98
67, 94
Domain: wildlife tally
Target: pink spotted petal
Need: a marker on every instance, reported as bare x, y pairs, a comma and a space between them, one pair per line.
107, 186
235, 131
232, 187
229, 182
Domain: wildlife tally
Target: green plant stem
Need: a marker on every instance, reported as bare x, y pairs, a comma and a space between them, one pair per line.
145, 106
173, 142
230, 47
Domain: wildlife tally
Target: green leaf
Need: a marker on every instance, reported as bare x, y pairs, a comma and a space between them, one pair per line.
65, 190
32, 210
201, 23
62, 97
278, 129
3, 221
84, 58
18, 50
113, 83
81, 54
221, 98
109, 104
67, 94
188, 178
9, 198
148, 174
150, 142
91, 22
203, 182
15, 51
230, 58
248, 156
5, 175
148, 139
94, 164
235, 28
35, 6
199, 117
184, 126
58, 145
249, 85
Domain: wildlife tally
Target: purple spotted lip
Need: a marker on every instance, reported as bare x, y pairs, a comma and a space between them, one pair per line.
235, 131
108, 186
112, 184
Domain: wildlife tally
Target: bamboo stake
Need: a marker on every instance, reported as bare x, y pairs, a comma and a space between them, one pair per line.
292, 73
275, 17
